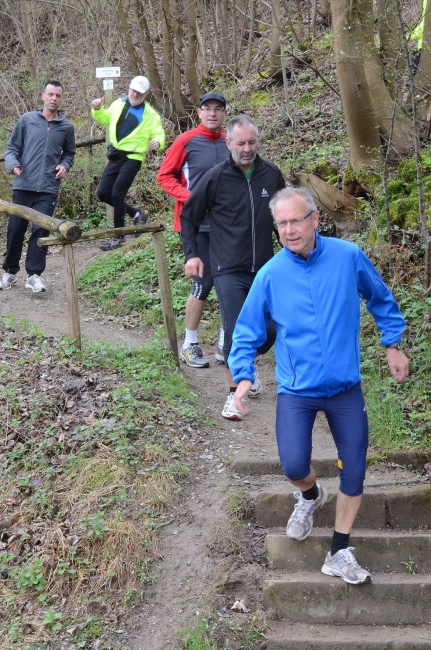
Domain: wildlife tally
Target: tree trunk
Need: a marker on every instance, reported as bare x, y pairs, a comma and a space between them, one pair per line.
275, 49
401, 134
28, 43
207, 43
172, 46
135, 62
250, 33
192, 52
221, 27
300, 21
391, 44
150, 58
361, 123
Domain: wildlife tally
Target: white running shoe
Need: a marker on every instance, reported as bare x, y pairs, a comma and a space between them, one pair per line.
256, 387
7, 280
301, 520
219, 353
344, 565
230, 412
34, 282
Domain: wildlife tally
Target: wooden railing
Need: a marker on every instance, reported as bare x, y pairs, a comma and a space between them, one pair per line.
67, 233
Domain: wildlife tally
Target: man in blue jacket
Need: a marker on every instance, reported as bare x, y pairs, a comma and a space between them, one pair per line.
312, 290
39, 154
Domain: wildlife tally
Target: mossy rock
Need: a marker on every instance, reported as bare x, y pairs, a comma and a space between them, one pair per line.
322, 168
368, 177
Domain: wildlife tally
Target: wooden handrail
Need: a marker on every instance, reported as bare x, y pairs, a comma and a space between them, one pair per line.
70, 231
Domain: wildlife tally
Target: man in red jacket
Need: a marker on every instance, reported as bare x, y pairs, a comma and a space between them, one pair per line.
191, 155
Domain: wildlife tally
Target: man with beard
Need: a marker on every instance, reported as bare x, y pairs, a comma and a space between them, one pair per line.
235, 197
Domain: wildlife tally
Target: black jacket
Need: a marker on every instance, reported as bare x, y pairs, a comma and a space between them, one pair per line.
239, 216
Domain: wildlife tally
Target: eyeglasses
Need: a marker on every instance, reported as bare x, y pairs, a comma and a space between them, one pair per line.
213, 109
281, 225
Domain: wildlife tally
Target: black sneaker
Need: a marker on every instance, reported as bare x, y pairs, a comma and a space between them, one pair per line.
114, 242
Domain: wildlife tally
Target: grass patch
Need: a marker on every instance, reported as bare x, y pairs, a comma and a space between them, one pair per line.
92, 459
400, 414
133, 284
210, 634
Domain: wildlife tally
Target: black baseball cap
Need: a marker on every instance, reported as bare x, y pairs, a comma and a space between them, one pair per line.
208, 96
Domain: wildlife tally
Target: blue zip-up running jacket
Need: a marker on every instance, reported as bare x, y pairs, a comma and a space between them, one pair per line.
315, 305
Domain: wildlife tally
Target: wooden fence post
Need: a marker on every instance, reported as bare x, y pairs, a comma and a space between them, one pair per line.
72, 295
165, 292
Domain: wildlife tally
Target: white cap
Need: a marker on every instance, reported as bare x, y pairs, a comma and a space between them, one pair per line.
140, 84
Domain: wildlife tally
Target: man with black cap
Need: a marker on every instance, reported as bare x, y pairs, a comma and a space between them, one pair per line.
134, 127
191, 155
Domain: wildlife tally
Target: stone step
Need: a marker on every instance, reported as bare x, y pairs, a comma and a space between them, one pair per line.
405, 507
324, 467
392, 552
254, 466
313, 598
282, 635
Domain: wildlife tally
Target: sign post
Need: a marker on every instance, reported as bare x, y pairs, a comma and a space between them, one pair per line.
107, 74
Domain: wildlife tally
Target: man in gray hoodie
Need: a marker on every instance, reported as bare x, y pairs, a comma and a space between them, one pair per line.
40, 152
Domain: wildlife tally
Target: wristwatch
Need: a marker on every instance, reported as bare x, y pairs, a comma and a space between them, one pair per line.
394, 346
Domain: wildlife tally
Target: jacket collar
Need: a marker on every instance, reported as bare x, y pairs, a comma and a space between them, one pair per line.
210, 135
60, 115
314, 254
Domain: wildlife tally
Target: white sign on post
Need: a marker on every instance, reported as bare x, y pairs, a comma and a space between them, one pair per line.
103, 73
108, 84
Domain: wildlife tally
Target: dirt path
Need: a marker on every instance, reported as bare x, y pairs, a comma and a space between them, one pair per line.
48, 310
198, 547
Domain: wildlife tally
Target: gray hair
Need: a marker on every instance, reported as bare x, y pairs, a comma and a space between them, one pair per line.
241, 121
289, 193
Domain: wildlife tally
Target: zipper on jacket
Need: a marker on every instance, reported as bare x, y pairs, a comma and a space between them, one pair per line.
291, 365
253, 233
45, 147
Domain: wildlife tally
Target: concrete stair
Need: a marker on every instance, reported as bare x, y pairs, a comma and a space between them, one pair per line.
392, 538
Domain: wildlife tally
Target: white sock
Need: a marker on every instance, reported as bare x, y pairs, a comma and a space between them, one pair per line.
221, 337
191, 337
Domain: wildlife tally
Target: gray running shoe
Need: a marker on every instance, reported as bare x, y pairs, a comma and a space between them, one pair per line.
7, 280
256, 387
34, 282
219, 353
193, 356
344, 565
230, 412
114, 242
301, 520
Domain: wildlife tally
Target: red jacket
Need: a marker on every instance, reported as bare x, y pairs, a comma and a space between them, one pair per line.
189, 157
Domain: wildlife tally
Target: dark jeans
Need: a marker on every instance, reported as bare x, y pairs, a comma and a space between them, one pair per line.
116, 180
43, 202
232, 290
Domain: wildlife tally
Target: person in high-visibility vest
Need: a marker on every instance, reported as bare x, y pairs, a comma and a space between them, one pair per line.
417, 35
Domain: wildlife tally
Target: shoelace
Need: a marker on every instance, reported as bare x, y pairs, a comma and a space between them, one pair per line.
195, 349
347, 557
303, 508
